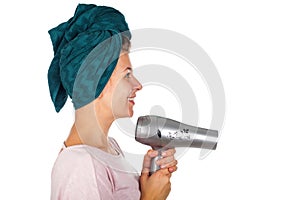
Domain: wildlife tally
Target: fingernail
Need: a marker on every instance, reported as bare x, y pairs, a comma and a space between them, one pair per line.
153, 153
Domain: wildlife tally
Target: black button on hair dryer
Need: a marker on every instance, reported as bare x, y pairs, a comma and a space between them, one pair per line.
162, 133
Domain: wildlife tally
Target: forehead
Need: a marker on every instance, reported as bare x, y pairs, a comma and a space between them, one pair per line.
123, 62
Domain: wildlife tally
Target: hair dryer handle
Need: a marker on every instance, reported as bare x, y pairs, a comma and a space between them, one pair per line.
153, 166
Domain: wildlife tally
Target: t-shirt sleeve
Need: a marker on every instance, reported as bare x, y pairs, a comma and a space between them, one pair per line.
74, 178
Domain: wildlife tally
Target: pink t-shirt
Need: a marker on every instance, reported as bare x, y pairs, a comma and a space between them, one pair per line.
83, 172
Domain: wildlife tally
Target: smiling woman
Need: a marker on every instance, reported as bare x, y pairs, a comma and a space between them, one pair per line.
92, 66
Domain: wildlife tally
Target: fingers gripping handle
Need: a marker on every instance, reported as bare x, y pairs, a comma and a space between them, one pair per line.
154, 167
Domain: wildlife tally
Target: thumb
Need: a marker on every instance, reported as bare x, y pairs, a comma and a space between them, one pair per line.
148, 157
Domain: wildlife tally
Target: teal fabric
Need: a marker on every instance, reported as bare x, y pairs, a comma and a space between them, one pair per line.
86, 50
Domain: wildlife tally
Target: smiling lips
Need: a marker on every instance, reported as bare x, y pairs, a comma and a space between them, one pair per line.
131, 99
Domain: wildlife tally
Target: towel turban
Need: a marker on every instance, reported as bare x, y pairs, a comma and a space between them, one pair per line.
86, 50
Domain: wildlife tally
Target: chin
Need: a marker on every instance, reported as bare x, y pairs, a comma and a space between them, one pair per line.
130, 114
124, 115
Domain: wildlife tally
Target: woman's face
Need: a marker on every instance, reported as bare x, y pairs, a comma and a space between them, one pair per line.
119, 92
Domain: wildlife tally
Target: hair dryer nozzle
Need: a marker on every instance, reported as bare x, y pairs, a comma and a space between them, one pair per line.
160, 132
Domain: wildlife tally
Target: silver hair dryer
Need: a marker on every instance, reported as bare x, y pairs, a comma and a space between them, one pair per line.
162, 133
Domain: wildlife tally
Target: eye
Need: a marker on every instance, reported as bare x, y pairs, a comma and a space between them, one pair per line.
128, 74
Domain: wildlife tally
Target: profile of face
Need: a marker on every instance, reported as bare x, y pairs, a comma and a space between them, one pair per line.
119, 93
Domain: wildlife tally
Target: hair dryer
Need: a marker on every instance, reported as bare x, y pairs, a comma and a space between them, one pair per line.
162, 133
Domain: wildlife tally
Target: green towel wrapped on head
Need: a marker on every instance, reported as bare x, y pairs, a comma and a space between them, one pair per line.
86, 51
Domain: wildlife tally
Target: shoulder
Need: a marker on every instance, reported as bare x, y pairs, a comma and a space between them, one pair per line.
73, 174
73, 155
80, 159
72, 160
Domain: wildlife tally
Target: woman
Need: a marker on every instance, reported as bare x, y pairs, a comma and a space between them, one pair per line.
91, 65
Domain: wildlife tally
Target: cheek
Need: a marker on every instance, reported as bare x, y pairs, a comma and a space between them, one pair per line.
124, 87
120, 93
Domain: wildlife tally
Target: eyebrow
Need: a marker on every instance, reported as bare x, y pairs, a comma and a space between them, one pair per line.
128, 68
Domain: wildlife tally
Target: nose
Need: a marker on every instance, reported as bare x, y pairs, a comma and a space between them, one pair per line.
137, 84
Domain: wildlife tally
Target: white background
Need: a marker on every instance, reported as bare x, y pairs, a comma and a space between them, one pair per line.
255, 46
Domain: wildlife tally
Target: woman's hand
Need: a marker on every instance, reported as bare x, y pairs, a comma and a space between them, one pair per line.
168, 160
158, 185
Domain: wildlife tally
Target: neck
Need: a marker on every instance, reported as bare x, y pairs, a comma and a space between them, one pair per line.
90, 128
